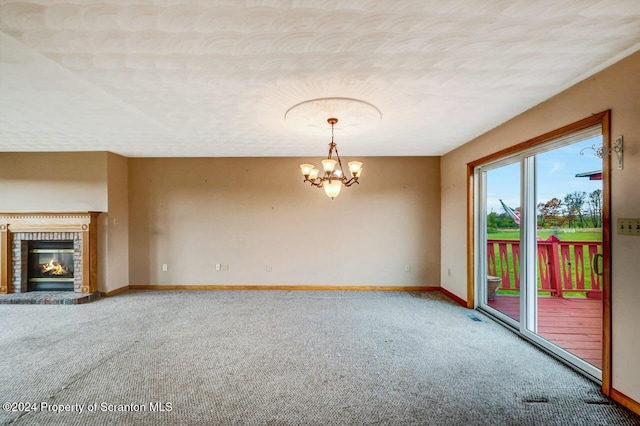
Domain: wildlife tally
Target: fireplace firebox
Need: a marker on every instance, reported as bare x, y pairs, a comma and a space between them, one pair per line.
50, 265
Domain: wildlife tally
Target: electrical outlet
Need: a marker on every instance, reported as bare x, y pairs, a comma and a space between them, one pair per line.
628, 226
269, 269
225, 268
165, 267
407, 268
218, 266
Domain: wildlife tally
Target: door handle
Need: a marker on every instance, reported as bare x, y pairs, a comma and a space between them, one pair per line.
596, 264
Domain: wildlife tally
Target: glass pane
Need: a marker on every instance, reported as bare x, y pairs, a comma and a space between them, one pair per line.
502, 201
569, 222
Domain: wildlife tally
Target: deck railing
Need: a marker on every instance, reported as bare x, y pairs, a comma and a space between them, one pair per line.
563, 266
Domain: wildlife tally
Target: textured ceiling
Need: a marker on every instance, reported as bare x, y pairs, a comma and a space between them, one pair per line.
215, 78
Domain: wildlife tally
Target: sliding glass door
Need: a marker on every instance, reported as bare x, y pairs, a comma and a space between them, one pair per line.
539, 246
569, 250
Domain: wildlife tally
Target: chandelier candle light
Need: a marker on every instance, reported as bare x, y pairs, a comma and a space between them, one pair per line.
333, 177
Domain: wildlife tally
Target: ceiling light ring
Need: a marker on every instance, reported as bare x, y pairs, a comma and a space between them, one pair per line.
345, 100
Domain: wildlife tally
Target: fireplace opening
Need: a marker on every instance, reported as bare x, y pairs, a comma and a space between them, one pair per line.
50, 266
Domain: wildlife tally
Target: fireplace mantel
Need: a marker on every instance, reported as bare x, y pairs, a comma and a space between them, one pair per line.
43, 226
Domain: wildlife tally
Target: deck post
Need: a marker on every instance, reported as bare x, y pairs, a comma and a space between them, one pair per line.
554, 265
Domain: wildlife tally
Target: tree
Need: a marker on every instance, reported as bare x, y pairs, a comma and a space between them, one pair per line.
542, 217
497, 221
492, 221
550, 213
573, 204
595, 208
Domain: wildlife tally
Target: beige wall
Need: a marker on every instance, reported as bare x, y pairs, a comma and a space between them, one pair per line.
616, 88
249, 213
53, 182
116, 223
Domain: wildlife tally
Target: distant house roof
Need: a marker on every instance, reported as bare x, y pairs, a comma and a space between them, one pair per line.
597, 175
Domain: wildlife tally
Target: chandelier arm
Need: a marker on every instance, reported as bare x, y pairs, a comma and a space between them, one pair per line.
350, 182
316, 182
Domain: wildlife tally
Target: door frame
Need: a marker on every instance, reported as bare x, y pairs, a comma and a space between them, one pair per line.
604, 120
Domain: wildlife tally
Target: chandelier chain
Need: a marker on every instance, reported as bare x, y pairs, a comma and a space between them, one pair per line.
334, 147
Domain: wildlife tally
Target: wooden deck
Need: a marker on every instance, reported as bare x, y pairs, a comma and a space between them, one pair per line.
574, 324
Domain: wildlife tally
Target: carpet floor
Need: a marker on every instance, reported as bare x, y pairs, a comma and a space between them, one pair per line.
282, 358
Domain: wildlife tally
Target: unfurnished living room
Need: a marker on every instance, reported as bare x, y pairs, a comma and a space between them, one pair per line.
300, 212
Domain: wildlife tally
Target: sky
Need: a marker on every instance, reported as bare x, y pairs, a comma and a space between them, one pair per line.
556, 171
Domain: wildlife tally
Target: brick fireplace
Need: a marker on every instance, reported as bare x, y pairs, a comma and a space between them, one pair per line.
19, 230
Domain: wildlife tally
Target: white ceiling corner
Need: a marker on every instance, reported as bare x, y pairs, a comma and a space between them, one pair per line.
215, 78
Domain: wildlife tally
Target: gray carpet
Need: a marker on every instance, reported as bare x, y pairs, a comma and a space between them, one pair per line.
280, 358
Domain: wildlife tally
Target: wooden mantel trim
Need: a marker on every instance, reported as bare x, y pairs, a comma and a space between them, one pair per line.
47, 222
83, 222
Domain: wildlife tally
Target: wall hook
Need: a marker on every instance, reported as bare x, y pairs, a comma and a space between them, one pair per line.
601, 151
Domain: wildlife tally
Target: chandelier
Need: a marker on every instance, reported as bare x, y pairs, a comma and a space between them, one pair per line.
333, 178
